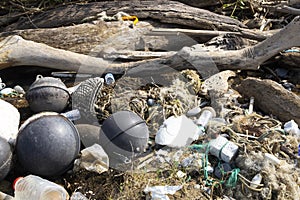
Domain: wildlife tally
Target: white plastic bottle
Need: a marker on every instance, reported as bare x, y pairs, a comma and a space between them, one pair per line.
36, 188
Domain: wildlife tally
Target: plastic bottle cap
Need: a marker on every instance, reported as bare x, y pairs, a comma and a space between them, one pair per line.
15, 182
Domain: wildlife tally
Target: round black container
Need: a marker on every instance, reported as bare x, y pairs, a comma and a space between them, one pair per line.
123, 136
5, 158
47, 144
47, 94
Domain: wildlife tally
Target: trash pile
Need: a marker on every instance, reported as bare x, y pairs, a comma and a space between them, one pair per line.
191, 139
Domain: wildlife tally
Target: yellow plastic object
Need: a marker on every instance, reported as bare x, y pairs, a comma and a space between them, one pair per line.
134, 18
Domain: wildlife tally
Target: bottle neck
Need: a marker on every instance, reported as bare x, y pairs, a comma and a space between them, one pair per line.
16, 181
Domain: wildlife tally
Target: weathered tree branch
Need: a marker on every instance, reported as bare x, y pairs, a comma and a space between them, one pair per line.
14, 51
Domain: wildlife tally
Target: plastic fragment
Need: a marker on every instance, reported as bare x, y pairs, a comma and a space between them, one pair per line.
159, 192
177, 132
78, 196
93, 159
256, 180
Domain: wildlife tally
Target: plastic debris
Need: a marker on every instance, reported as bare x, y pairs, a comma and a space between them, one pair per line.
123, 135
47, 144
256, 180
10, 119
109, 78
134, 18
206, 114
7, 91
251, 104
93, 159
78, 196
177, 132
221, 170
2, 85
159, 192
180, 174
47, 94
292, 128
223, 149
72, 115
34, 187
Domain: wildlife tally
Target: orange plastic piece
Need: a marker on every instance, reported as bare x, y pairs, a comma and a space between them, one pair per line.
134, 18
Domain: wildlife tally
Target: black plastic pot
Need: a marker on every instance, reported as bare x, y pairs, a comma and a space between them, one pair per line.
123, 136
47, 144
47, 94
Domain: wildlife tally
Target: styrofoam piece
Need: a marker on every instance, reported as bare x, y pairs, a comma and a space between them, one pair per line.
228, 149
177, 132
9, 121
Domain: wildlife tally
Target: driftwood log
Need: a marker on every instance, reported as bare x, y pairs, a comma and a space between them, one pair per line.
272, 98
158, 10
15, 51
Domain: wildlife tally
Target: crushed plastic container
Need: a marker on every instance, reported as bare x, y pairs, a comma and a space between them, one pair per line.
33, 187
223, 149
